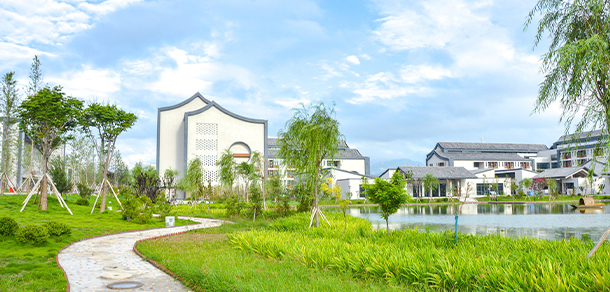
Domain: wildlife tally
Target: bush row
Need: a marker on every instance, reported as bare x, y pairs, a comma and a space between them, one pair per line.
32, 233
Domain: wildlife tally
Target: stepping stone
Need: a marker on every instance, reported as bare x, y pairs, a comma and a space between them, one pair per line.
115, 276
115, 269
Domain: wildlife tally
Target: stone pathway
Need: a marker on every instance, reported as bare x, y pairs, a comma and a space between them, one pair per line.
94, 263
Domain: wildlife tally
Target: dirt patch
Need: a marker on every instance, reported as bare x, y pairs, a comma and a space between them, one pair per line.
197, 237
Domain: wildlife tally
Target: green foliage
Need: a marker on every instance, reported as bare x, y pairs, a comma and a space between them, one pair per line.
9, 101
275, 188
390, 195
301, 193
431, 261
162, 207
193, 182
8, 226
146, 182
82, 202
170, 182
309, 138
234, 206
430, 182
137, 209
57, 170
227, 168
84, 191
576, 64
32, 233
256, 200
283, 208
57, 228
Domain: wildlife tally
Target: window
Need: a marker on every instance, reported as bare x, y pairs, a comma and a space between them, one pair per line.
567, 163
362, 192
509, 165
441, 164
416, 190
331, 163
598, 151
492, 164
543, 165
524, 165
271, 163
580, 161
581, 153
476, 164
566, 155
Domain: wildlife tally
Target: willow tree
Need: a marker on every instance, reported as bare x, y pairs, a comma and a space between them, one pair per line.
575, 68
227, 169
309, 137
46, 117
103, 124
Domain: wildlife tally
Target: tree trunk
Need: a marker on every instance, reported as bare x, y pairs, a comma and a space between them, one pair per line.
3, 184
315, 201
43, 184
345, 220
387, 226
263, 186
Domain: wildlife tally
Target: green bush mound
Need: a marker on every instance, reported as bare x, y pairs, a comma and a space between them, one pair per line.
8, 226
432, 261
82, 202
32, 233
56, 228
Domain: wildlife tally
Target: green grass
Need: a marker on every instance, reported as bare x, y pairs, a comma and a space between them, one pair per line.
205, 258
27, 267
424, 261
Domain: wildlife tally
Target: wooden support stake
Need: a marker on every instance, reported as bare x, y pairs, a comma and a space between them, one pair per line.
599, 243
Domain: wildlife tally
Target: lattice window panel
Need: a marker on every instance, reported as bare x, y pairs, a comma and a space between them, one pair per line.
208, 160
206, 144
207, 129
210, 175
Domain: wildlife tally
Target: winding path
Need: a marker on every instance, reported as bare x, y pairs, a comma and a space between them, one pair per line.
93, 263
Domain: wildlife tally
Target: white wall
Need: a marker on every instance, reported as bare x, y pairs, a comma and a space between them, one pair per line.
435, 160
350, 185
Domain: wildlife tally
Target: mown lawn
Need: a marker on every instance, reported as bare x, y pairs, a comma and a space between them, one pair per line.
206, 258
27, 267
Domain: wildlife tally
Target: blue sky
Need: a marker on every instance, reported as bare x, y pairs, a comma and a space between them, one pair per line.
404, 75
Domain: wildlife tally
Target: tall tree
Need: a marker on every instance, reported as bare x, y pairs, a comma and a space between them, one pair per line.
103, 124
227, 169
8, 105
170, 180
309, 137
57, 170
46, 118
430, 183
35, 78
576, 65
390, 195
258, 160
193, 181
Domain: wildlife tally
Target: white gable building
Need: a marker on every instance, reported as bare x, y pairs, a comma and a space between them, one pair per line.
201, 128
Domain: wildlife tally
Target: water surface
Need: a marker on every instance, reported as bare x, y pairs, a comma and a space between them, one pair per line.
553, 221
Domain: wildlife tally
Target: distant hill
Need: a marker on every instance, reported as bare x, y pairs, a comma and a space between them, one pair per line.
378, 168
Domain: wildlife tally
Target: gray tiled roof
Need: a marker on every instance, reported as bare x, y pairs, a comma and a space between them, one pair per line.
440, 172
560, 172
343, 153
477, 171
493, 146
583, 135
480, 156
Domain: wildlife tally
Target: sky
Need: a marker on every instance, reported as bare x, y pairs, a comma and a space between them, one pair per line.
402, 75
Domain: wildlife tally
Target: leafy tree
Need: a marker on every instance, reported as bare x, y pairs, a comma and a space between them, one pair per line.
227, 169
57, 170
552, 185
309, 137
430, 183
538, 185
576, 64
103, 124
46, 118
119, 169
275, 188
9, 101
257, 201
193, 182
248, 174
258, 159
170, 181
36, 79
146, 184
390, 195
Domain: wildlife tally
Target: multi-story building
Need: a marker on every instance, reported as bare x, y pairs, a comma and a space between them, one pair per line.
348, 159
474, 156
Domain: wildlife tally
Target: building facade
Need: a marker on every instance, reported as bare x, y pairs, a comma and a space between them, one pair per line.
200, 128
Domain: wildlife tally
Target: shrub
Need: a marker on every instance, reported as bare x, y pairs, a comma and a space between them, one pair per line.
138, 209
234, 206
32, 233
82, 202
84, 192
8, 226
57, 228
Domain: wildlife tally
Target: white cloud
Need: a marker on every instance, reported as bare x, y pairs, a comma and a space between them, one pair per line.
384, 85
353, 59
90, 84
365, 56
50, 22
419, 73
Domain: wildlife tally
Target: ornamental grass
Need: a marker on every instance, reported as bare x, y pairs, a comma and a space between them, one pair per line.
434, 261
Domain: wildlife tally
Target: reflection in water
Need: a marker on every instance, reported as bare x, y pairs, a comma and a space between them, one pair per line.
546, 221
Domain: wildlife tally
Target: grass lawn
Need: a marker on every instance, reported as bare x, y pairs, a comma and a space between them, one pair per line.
27, 267
207, 259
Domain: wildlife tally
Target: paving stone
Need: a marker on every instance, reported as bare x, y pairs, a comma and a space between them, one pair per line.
86, 261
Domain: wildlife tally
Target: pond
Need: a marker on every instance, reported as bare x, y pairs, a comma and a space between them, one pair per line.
554, 221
